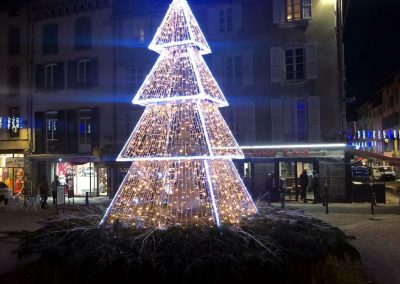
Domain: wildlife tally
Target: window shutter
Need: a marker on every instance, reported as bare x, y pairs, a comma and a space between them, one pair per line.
72, 74
247, 67
248, 124
212, 23
39, 74
39, 133
307, 7
72, 131
94, 72
278, 10
276, 64
311, 61
276, 120
290, 120
95, 117
59, 76
314, 120
237, 17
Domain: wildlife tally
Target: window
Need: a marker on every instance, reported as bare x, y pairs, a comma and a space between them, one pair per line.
234, 70
83, 36
13, 81
139, 34
297, 10
225, 20
135, 78
83, 73
51, 126
294, 63
85, 127
50, 39
14, 40
14, 123
83, 68
49, 75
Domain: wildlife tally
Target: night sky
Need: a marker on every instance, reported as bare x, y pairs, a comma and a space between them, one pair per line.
372, 47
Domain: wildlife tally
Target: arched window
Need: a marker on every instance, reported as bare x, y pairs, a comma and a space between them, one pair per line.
83, 33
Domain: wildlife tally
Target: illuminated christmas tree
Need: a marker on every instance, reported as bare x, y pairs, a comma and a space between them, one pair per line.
181, 149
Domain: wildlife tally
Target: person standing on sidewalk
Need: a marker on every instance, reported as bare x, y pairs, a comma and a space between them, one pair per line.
269, 186
44, 192
54, 185
282, 190
303, 186
315, 186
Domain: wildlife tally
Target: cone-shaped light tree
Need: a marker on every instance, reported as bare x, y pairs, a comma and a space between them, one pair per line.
181, 149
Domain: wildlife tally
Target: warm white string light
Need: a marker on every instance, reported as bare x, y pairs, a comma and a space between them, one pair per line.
181, 148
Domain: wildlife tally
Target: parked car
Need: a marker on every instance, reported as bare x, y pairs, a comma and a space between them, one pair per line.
360, 173
383, 173
5, 193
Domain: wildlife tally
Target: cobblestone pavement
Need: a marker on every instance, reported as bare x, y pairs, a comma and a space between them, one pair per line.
29, 220
377, 236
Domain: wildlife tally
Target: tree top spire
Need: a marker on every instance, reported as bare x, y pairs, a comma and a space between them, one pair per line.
179, 27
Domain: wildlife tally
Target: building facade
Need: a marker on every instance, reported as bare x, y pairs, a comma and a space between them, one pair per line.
72, 99
14, 98
378, 123
278, 62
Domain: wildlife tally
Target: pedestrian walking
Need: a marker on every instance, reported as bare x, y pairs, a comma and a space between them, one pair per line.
44, 192
282, 190
269, 187
315, 186
54, 185
303, 186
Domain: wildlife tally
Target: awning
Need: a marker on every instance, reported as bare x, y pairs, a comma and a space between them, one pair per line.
72, 159
391, 160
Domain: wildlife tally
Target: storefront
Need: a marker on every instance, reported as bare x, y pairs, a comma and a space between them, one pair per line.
289, 161
12, 171
81, 174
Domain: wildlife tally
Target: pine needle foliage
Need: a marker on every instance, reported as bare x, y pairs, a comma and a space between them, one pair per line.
277, 246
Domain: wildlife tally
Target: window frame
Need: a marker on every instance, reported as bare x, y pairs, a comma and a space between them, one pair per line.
85, 115
53, 67
135, 78
50, 39
86, 70
83, 33
225, 19
234, 69
304, 10
295, 72
52, 118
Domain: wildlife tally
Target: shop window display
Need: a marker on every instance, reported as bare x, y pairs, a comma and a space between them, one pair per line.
103, 181
80, 178
12, 172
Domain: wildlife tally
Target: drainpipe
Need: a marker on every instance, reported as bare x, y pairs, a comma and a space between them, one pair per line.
341, 67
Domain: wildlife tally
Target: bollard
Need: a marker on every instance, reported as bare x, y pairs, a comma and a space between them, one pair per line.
373, 196
398, 192
87, 199
326, 199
